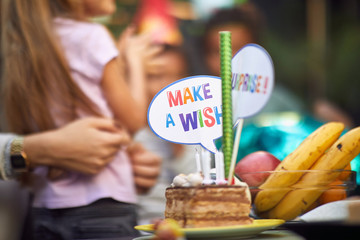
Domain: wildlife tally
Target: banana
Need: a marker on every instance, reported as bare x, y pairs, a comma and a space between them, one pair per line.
337, 157
302, 158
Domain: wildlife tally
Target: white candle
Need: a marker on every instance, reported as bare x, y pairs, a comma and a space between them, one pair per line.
217, 166
220, 171
197, 159
206, 162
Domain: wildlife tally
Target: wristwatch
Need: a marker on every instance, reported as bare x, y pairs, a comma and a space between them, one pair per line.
18, 159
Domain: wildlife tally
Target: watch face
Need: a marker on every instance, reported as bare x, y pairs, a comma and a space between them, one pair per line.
17, 162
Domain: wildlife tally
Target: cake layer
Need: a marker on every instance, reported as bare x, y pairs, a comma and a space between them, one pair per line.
208, 205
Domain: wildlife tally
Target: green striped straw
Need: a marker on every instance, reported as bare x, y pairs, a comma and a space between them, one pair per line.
225, 72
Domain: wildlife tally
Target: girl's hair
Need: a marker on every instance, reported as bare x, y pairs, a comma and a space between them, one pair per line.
35, 79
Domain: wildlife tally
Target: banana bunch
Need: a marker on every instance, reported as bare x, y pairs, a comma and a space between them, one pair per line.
285, 195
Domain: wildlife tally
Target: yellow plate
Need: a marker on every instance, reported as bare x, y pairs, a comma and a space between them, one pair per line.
227, 232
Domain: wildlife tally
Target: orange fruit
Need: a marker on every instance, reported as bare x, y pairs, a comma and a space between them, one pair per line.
345, 175
337, 192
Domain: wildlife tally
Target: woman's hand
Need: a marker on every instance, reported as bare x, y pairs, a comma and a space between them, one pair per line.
86, 145
146, 167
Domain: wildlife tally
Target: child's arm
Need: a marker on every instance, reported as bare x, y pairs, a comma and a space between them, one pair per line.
125, 89
129, 109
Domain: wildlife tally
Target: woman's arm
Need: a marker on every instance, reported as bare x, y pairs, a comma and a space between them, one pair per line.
86, 145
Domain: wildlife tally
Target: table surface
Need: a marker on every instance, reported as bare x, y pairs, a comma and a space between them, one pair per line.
287, 231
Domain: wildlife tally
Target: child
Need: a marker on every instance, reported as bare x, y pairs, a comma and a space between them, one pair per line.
57, 67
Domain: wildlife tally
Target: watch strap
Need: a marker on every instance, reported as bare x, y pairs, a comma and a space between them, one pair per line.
18, 158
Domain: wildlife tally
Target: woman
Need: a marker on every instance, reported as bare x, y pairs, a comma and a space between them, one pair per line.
58, 67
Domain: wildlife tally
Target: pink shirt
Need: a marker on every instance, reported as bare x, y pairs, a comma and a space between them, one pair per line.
88, 47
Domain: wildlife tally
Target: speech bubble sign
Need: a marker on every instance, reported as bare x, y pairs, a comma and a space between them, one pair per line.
188, 111
252, 80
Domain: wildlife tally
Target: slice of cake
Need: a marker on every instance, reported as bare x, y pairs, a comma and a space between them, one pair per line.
208, 205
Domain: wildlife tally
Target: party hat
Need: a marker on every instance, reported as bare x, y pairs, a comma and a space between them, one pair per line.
153, 16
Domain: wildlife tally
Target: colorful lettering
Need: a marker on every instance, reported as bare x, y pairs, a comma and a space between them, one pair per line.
206, 117
234, 80
206, 91
189, 119
196, 93
200, 118
265, 85
217, 115
210, 119
246, 79
169, 120
258, 84
174, 100
187, 95
249, 82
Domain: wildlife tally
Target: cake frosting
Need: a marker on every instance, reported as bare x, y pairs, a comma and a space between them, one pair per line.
191, 180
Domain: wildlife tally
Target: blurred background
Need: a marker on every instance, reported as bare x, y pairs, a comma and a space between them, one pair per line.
314, 44
314, 47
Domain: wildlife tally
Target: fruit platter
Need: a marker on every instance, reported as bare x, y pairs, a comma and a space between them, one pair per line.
318, 171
